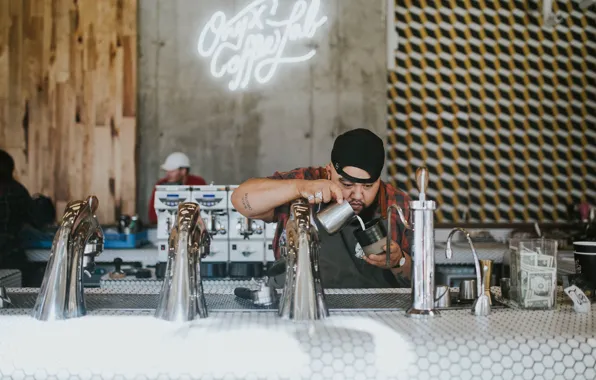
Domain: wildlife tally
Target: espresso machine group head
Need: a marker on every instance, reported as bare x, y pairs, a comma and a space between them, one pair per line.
247, 243
167, 200
213, 201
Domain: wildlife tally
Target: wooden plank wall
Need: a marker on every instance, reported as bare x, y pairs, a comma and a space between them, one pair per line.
68, 99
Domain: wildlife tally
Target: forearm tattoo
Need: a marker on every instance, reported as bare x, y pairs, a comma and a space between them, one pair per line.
245, 202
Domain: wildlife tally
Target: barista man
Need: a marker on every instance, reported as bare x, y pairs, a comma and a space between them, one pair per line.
177, 167
353, 176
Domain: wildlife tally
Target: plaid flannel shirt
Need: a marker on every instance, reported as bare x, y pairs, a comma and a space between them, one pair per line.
387, 196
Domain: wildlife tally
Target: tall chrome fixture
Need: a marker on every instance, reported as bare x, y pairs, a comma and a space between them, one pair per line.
76, 244
303, 297
182, 298
423, 249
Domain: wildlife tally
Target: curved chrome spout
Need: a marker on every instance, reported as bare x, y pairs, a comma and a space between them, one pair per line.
303, 297
482, 311
76, 243
181, 298
400, 212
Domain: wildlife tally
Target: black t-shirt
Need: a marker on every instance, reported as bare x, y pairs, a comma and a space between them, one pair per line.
15, 211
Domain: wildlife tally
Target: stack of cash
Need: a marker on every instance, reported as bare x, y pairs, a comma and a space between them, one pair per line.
538, 279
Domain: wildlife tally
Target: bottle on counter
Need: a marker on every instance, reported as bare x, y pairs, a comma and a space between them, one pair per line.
133, 226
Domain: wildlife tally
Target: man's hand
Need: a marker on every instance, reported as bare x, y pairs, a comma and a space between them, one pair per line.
381, 259
319, 191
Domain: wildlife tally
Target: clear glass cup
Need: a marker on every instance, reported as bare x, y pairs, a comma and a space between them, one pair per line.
534, 273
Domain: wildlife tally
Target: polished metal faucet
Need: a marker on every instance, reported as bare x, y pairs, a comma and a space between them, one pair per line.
76, 244
481, 306
182, 298
423, 250
303, 297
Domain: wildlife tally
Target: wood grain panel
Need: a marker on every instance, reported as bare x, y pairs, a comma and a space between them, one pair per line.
68, 99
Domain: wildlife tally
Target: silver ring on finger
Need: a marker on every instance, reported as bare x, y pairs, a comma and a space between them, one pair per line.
319, 195
311, 197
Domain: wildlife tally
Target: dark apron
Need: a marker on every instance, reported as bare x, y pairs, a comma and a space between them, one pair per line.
340, 266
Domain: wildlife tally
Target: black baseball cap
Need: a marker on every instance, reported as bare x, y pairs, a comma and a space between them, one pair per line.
362, 149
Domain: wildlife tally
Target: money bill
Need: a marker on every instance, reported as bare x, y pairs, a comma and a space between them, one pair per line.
544, 261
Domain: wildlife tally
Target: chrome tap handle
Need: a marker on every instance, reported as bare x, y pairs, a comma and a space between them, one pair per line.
76, 243
422, 182
93, 203
303, 297
537, 229
181, 297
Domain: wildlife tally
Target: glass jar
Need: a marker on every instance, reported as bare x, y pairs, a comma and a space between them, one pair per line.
534, 273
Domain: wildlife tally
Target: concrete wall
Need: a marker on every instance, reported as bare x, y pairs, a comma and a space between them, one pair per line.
289, 122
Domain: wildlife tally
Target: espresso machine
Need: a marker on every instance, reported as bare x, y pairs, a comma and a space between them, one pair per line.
167, 199
247, 243
213, 200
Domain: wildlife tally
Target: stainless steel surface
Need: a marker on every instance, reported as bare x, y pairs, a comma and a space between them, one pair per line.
468, 290
181, 297
443, 296
4, 299
481, 306
76, 244
479, 289
423, 251
423, 279
358, 299
422, 182
334, 217
303, 297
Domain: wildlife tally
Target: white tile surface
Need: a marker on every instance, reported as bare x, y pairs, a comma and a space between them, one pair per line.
509, 343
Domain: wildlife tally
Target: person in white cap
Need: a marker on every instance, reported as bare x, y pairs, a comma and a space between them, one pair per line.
177, 167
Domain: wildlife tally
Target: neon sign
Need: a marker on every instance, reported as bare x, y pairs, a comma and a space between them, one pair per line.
252, 44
